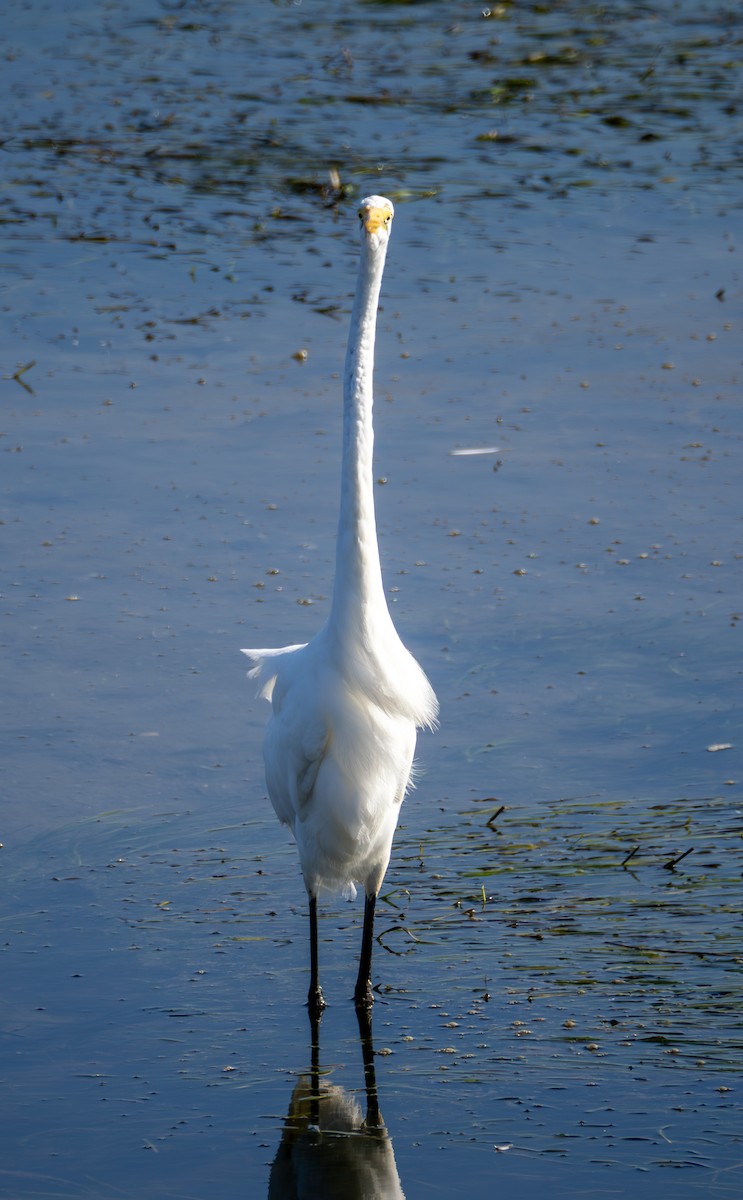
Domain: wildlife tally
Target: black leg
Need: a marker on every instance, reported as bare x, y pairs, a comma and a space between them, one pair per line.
315, 999
364, 995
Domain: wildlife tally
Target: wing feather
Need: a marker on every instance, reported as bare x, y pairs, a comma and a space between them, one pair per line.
265, 665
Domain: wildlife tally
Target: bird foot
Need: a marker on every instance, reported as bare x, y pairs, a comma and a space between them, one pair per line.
316, 1003
363, 996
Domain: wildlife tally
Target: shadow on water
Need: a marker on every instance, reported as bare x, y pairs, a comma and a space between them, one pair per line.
330, 1148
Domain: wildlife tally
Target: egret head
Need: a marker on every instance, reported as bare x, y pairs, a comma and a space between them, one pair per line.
375, 214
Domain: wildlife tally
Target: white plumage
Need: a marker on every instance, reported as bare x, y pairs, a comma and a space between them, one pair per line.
339, 744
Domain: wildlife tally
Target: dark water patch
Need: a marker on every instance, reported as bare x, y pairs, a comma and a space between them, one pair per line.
602, 978
604, 94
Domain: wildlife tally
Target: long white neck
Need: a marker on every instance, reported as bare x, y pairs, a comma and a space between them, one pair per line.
359, 604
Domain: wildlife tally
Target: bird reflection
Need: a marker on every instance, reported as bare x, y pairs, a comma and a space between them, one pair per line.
329, 1149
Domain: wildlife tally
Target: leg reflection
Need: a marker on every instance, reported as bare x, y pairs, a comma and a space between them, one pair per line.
373, 1115
329, 1148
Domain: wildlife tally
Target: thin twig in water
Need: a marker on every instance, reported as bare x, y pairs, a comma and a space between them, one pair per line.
631, 854
696, 953
672, 862
495, 816
17, 376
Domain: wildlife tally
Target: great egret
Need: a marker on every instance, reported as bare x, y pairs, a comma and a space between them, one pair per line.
339, 744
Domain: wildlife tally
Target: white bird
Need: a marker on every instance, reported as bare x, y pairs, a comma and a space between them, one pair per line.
339, 744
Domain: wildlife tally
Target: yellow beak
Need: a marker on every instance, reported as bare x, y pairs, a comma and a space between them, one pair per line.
375, 218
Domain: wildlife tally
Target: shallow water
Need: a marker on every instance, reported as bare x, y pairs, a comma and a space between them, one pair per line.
559, 989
